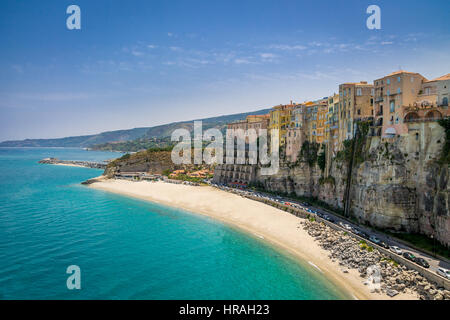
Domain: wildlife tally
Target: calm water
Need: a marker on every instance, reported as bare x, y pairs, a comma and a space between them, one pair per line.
126, 248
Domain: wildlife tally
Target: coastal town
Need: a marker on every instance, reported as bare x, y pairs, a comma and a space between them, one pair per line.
358, 169
393, 106
355, 161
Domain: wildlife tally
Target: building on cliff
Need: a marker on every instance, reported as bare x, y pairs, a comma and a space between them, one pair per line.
315, 119
356, 103
280, 118
332, 124
404, 97
295, 134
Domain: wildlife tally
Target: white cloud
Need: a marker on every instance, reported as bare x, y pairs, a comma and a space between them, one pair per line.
288, 47
242, 61
267, 56
137, 53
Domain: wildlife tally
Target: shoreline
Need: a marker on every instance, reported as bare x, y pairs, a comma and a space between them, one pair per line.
270, 224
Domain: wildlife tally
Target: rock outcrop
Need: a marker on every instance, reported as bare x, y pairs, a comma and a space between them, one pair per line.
352, 254
396, 183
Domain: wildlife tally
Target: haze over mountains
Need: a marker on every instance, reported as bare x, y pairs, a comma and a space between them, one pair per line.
160, 131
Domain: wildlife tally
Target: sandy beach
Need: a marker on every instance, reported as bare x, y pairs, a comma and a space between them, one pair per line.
266, 222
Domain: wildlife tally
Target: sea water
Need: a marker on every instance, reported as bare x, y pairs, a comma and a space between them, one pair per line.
127, 248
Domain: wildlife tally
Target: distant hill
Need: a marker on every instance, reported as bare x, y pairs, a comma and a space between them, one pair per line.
161, 131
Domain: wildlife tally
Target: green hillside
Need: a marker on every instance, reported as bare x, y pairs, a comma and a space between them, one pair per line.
117, 136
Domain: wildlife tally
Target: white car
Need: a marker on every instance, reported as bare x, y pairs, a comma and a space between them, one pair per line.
396, 250
443, 272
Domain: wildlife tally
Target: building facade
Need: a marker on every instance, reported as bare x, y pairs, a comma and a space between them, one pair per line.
403, 97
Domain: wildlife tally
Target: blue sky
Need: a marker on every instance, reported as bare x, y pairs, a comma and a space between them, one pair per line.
143, 63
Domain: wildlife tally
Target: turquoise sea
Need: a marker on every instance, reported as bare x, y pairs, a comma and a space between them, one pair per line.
126, 248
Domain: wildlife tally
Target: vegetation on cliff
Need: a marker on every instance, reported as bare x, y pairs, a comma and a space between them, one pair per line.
355, 147
154, 161
445, 154
308, 152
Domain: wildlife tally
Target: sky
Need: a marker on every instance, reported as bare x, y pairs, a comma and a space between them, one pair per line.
142, 63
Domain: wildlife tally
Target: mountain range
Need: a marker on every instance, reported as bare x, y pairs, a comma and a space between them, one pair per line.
160, 131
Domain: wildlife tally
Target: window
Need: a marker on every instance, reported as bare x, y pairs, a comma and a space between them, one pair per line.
392, 109
388, 92
427, 91
412, 79
398, 79
359, 112
445, 101
372, 92
358, 92
388, 81
396, 120
399, 90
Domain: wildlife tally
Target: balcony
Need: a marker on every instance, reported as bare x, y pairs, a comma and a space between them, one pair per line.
379, 99
379, 113
427, 93
422, 119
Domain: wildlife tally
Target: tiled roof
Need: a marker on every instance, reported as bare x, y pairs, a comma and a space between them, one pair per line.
444, 77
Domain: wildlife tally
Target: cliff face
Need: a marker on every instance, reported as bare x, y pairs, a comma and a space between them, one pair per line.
395, 184
151, 162
401, 186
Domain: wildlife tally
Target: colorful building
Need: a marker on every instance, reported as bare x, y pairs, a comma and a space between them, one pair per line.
296, 133
280, 118
315, 118
332, 124
356, 102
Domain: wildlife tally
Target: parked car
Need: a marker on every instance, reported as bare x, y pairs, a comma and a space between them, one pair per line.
348, 227
396, 250
409, 256
443, 272
374, 239
364, 235
422, 262
384, 245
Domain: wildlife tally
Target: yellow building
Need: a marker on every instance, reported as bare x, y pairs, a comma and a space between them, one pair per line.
280, 118
332, 123
315, 117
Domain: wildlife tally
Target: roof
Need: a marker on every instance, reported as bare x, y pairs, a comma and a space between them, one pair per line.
444, 77
399, 72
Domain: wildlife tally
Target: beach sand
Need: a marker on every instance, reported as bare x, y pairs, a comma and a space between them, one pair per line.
266, 222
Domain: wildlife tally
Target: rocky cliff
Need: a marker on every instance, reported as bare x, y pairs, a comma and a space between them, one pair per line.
150, 161
396, 183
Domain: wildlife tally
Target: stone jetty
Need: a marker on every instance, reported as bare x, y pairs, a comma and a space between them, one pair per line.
86, 164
